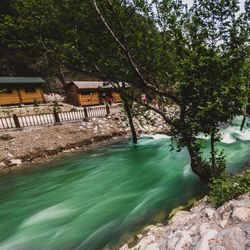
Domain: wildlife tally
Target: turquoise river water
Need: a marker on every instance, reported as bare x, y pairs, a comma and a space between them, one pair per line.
90, 200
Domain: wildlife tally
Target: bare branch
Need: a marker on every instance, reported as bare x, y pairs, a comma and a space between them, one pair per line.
144, 84
160, 112
107, 26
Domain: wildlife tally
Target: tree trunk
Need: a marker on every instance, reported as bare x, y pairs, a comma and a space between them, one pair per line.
196, 162
62, 76
246, 109
212, 141
243, 122
130, 118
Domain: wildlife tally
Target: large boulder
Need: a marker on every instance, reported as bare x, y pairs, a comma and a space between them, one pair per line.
232, 238
206, 236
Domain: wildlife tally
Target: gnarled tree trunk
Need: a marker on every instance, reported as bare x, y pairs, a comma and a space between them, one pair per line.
130, 119
196, 162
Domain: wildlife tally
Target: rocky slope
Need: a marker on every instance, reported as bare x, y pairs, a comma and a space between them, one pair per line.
204, 227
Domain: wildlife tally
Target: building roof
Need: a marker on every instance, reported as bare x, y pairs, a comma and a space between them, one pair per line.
91, 84
17, 80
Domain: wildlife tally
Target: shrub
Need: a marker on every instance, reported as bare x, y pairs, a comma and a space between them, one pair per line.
227, 187
35, 103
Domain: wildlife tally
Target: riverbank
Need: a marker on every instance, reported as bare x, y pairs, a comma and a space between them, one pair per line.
203, 227
24, 148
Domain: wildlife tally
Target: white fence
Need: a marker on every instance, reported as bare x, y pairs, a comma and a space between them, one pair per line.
57, 117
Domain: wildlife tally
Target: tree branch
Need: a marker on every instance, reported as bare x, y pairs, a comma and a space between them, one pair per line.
124, 46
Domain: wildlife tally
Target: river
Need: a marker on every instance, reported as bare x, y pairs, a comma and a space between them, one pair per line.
90, 200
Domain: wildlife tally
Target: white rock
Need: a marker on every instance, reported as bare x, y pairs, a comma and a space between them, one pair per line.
139, 236
10, 156
124, 247
204, 227
207, 235
223, 223
241, 214
145, 242
66, 151
184, 240
182, 217
233, 239
15, 162
217, 247
152, 246
2, 164
209, 212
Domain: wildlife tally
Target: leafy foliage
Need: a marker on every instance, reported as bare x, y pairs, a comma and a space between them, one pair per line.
228, 187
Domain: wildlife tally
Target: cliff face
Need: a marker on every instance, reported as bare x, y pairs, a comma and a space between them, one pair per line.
202, 228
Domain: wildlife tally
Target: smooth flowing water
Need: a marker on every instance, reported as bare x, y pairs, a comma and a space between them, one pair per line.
89, 200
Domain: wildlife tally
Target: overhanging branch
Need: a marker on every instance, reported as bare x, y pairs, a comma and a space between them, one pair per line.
144, 84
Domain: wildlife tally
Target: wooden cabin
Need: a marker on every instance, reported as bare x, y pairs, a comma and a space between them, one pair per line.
88, 93
21, 90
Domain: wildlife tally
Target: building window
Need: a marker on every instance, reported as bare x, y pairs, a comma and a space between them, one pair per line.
30, 90
5, 91
87, 92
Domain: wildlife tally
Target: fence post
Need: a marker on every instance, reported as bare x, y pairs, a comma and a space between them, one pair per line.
56, 116
16, 121
108, 109
85, 113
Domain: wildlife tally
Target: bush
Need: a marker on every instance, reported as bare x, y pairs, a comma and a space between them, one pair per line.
35, 103
228, 187
219, 169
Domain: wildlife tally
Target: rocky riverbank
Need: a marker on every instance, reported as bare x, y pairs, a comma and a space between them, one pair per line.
203, 227
26, 147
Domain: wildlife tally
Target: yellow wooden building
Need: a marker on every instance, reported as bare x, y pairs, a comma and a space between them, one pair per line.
21, 90
88, 93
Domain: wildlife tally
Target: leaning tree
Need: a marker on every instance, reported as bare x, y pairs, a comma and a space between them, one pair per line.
191, 58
